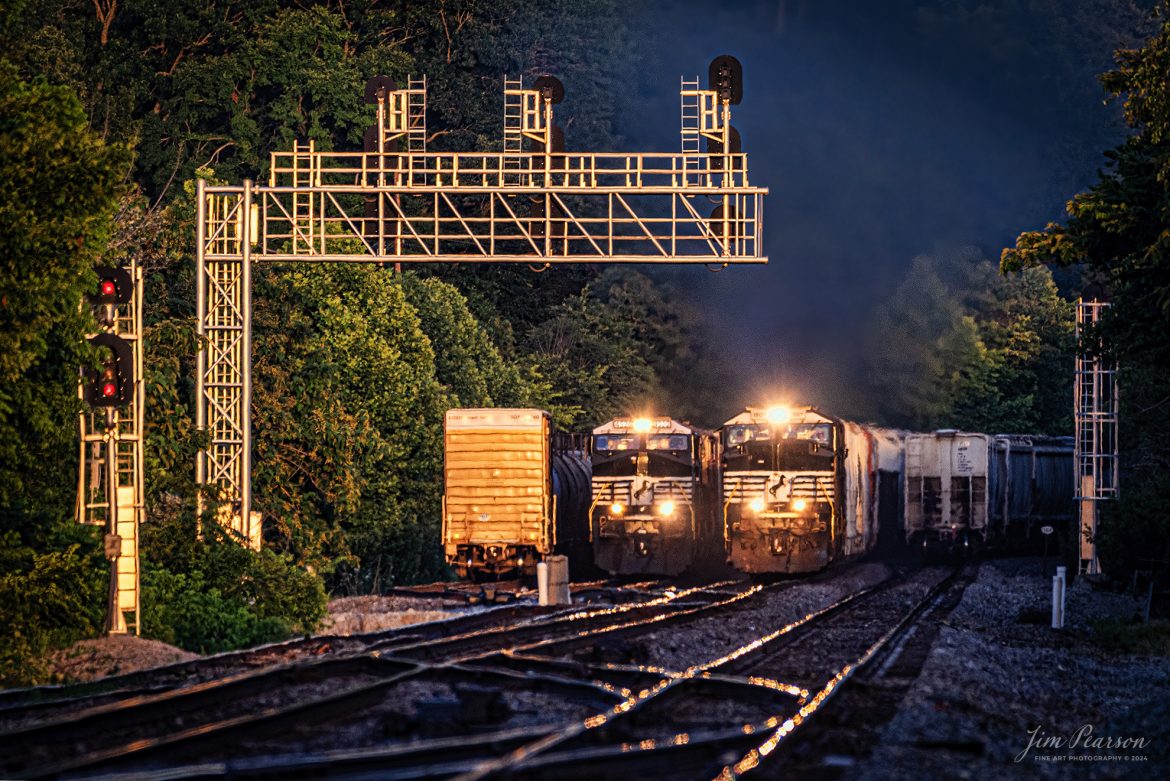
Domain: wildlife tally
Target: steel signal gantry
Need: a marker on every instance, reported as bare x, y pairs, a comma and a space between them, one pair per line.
395, 202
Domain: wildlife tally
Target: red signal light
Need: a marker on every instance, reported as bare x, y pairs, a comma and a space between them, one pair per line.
114, 287
112, 385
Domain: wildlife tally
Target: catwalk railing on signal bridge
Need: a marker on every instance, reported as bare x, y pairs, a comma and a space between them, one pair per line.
491, 207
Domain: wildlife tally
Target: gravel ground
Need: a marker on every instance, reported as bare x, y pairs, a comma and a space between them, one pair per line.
420, 709
998, 672
88, 660
679, 647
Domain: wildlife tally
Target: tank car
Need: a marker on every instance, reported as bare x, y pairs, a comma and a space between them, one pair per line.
968, 490
801, 488
515, 491
655, 483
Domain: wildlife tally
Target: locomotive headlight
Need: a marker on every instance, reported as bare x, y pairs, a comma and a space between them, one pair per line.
779, 415
666, 508
641, 425
799, 504
617, 508
757, 505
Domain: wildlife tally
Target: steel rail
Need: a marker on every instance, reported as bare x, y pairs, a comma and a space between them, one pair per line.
543, 753
752, 760
151, 709
20, 704
339, 704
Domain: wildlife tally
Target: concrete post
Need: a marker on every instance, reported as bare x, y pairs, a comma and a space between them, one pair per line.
552, 581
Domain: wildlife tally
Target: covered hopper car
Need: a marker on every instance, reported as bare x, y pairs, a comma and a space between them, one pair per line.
967, 490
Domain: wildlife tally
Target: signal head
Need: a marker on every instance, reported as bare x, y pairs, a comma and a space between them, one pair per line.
377, 88
725, 76
550, 88
113, 384
114, 287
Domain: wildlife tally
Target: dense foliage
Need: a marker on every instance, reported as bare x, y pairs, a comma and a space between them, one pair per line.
61, 186
960, 346
1117, 232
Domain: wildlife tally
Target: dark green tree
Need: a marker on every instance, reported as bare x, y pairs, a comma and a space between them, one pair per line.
611, 350
348, 415
1118, 231
61, 187
960, 346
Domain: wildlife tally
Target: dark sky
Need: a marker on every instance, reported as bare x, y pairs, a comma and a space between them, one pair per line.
884, 130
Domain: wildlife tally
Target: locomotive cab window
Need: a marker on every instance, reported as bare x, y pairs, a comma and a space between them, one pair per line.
675, 442
738, 435
614, 442
821, 433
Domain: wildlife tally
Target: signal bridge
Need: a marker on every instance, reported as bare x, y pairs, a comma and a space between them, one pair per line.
396, 202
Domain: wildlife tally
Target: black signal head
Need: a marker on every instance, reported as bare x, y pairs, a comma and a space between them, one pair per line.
550, 88
725, 76
111, 385
376, 85
114, 287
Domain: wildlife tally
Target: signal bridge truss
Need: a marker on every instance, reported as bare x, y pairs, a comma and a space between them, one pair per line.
394, 202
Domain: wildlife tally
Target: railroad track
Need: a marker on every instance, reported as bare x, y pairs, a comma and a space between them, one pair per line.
706, 721
256, 702
19, 707
722, 718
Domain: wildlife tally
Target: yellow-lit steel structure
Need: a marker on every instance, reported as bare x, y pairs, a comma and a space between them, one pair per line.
395, 202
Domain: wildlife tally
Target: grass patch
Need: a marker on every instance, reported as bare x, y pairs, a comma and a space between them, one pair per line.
1152, 639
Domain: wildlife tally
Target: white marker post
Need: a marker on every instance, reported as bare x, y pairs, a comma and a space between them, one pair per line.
1058, 598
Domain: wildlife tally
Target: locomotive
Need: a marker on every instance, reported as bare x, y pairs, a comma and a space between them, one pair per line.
515, 491
801, 489
655, 482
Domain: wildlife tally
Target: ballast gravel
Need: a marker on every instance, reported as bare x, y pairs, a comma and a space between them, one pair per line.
1003, 695
707, 639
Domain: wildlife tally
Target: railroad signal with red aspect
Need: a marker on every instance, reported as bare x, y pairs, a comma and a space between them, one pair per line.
114, 287
112, 383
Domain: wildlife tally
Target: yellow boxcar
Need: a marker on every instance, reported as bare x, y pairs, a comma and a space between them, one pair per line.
498, 504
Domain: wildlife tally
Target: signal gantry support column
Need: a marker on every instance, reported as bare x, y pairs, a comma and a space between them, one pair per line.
223, 366
394, 202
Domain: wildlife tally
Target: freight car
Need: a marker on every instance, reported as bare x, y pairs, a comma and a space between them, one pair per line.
801, 489
967, 490
655, 486
514, 492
